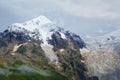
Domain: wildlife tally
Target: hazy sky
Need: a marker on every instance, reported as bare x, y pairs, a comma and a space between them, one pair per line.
84, 17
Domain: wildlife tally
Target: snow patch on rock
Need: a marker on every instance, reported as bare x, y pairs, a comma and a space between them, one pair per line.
50, 54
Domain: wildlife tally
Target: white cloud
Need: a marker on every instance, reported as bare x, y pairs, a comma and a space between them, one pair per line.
80, 8
88, 8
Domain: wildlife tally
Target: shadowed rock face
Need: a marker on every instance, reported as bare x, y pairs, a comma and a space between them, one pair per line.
70, 58
58, 42
68, 63
93, 78
60, 54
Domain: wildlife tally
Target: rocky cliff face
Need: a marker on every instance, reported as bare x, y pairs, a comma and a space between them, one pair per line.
41, 45
102, 56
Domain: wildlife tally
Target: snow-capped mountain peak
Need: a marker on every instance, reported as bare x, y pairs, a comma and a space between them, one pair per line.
33, 24
41, 20
44, 30
38, 28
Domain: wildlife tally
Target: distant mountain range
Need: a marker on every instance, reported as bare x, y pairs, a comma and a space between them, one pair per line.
102, 55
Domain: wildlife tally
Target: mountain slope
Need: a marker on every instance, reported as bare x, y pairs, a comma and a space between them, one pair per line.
40, 43
102, 56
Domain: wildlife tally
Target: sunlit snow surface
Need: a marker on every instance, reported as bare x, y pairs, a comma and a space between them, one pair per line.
40, 26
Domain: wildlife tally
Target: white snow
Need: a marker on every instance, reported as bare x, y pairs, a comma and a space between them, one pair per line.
40, 26
15, 49
63, 36
50, 54
32, 24
109, 38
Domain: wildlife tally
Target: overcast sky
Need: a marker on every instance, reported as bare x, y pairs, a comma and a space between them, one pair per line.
84, 17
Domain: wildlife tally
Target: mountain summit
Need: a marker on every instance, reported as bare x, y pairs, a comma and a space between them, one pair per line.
39, 44
38, 28
34, 23
42, 29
